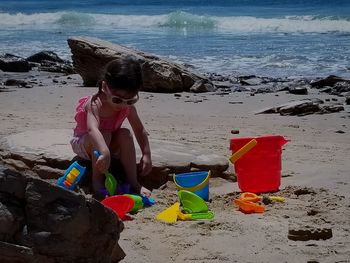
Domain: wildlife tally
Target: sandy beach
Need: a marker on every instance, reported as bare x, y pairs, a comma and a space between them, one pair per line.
315, 160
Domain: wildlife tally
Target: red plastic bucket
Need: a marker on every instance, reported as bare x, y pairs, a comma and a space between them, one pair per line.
259, 170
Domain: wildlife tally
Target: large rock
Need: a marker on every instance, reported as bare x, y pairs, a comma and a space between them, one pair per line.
45, 55
328, 81
50, 154
90, 55
332, 84
12, 63
51, 62
42, 222
303, 107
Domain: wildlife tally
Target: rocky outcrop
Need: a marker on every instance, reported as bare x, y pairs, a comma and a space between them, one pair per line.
44, 61
328, 81
49, 61
303, 107
45, 55
332, 85
12, 63
90, 55
41, 221
49, 157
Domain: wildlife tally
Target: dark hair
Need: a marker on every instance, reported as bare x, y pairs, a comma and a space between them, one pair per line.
124, 73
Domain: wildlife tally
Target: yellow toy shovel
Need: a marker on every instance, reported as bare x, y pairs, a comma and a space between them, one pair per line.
170, 214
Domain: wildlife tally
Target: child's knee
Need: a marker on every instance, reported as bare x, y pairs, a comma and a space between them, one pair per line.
124, 134
123, 137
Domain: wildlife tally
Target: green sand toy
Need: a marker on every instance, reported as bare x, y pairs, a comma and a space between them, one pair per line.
110, 181
192, 203
195, 216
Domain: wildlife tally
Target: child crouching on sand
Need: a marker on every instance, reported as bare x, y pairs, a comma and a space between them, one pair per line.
98, 125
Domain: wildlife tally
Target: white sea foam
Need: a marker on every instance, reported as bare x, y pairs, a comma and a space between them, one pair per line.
182, 20
20, 19
295, 24
270, 65
79, 19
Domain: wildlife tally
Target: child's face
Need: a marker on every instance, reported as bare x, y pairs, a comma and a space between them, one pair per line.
120, 98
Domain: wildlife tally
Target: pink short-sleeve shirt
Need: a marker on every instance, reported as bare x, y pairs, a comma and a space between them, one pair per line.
109, 124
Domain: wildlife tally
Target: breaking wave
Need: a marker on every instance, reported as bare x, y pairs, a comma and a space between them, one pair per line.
180, 20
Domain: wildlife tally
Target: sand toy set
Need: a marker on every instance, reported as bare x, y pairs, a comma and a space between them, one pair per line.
257, 164
193, 208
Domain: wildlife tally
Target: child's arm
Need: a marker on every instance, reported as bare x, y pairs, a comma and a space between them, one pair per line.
142, 139
97, 138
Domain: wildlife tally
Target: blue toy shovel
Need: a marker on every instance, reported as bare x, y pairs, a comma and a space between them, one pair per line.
110, 181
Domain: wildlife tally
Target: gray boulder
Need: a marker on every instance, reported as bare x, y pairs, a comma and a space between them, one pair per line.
303, 107
90, 55
45, 55
328, 81
12, 63
41, 221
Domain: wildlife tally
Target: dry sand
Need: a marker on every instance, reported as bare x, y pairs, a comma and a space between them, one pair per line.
317, 157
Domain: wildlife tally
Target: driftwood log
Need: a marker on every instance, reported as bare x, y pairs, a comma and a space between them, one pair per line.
90, 55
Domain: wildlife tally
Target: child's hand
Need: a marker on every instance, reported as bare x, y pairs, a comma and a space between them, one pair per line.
145, 166
145, 192
103, 162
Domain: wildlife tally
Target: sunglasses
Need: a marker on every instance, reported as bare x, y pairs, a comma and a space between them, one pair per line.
118, 100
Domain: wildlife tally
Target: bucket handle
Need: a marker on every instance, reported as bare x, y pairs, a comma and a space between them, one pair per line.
194, 188
247, 147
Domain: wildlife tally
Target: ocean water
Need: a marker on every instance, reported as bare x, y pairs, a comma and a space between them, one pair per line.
278, 38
